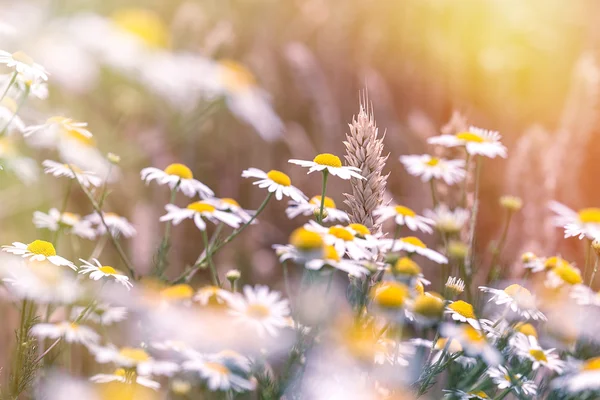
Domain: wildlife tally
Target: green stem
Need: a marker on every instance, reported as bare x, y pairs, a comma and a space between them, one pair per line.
10, 83
594, 272
213, 270
163, 250
434, 197
498, 250
471, 254
21, 102
323, 190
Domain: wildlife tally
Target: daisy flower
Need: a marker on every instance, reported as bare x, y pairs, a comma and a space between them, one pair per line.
231, 205
24, 168
412, 244
117, 224
582, 223
404, 216
221, 374
461, 395
119, 375
343, 239
57, 125
451, 346
275, 182
332, 258
211, 295
446, 220
331, 212
331, 164
23, 64
473, 342
260, 309
427, 168
563, 275
455, 285
476, 141
584, 376
100, 271
86, 178
68, 222
584, 296
501, 377
198, 211
102, 314
9, 117
462, 311
517, 299
527, 347
69, 331
133, 357
177, 176
38, 250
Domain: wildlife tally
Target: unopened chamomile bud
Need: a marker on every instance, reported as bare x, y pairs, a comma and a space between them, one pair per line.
528, 257
180, 387
596, 246
233, 275
113, 158
317, 212
511, 203
457, 250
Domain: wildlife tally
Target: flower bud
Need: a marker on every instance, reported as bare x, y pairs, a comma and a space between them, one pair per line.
511, 203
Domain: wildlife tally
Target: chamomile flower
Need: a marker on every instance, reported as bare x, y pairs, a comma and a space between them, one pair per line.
24, 65
461, 395
119, 375
451, 346
231, 205
24, 168
133, 357
404, 216
260, 309
38, 250
67, 222
582, 223
117, 224
9, 120
455, 285
473, 342
475, 140
462, 311
501, 377
86, 178
56, 127
332, 259
330, 163
563, 275
211, 295
69, 331
446, 220
428, 167
343, 239
583, 376
99, 271
412, 244
221, 374
275, 182
102, 314
517, 299
198, 211
585, 296
527, 347
331, 212
177, 176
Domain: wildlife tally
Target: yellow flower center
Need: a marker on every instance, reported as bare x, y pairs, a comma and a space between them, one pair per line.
119, 372
328, 159
406, 266
144, 24
481, 394
453, 347
538, 355
405, 211
360, 229
79, 137
73, 167
236, 77
231, 202
526, 329
590, 215
134, 354
419, 287
592, 364
179, 170
69, 218
74, 326
516, 290
178, 292
279, 177
463, 308
201, 207
10, 104
415, 241
22, 58
568, 274
328, 203
108, 270
258, 311
41, 247
554, 262
331, 254
341, 233
428, 306
472, 334
433, 162
390, 294
303, 239
470, 137
218, 368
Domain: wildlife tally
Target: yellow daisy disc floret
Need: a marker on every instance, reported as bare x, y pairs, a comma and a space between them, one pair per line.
390, 294
279, 177
134, 354
329, 160
407, 212
328, 203
428, 306
341, 233
306, 240
406, 266
179, 170
470, 137
41, 247
590, 215
108, 269
201, 206
463, 308
178, 292
360, 229
415, 241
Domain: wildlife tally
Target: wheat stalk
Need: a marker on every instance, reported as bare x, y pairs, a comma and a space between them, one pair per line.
364, 150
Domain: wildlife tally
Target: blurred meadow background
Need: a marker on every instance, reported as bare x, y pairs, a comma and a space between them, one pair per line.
158, 80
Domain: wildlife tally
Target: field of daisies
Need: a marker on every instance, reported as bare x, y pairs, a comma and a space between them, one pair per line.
376, 300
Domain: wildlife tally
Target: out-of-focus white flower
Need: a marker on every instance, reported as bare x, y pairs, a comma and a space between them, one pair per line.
120, 376
68, 222
473, 342
180, 176
275, 182
462, 311
332, 214
10, 122
517, 299
330, 163
461, 395
231, 205
477, 141
451, 346
260, 309
501, 377
100, 271
102, 314
133, 357
24, 65
412, 244
69, 331
446, 220
563, 275
117, 224
38, 250
211, 295
427, 168
87, 178
585, 296
26, 169
582, 376
221, 373
343, 239
198, 211
332, 259
404, 216
55, 126
582, 223
527, 347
